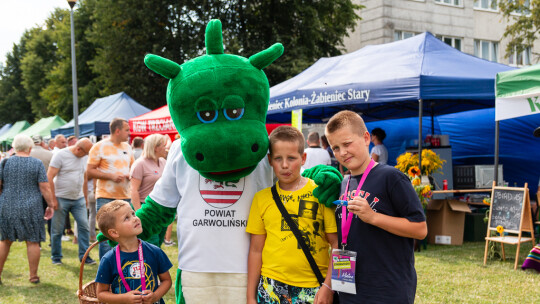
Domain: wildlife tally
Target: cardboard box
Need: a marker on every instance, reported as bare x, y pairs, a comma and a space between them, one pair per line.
446, 221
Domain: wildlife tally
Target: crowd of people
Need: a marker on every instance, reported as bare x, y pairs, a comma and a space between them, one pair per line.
43, 183
107, 181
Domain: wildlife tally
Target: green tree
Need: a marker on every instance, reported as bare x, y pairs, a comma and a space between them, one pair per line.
13, 103
524, 18
58, 92
308, 29
39, 61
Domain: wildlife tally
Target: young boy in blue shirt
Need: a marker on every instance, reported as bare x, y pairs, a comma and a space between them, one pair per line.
123, 282
386, 217
278, 270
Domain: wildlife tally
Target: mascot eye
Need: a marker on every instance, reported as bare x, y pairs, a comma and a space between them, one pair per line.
207, 116
233, 114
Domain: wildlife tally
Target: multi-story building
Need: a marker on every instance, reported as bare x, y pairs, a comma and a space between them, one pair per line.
475, 27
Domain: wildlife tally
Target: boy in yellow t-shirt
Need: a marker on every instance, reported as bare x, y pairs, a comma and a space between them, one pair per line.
277, 267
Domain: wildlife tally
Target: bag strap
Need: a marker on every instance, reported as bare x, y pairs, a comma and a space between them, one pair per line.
297, 234
3, 164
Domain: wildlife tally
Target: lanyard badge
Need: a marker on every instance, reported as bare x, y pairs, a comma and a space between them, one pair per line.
141, 268
344, 261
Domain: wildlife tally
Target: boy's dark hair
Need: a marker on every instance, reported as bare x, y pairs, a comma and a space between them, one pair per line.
346, 119
287, 133
381, 135
116, 124
106, 217
324, 141
138, 142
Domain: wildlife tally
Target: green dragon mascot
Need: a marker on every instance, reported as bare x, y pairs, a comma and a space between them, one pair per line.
218, 103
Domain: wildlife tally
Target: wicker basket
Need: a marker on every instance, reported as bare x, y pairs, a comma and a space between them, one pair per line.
88, 293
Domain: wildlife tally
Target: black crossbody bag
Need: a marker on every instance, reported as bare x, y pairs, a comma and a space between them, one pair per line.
303, 245
298, 235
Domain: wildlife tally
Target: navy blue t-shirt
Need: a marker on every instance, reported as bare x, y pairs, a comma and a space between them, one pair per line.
155, 263
385, 262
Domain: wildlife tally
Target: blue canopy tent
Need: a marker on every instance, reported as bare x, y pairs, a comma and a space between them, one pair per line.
387, 81
393, 80
472, 137
95, 120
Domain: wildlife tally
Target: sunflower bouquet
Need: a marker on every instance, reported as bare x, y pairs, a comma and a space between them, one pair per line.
431, 162
408, 164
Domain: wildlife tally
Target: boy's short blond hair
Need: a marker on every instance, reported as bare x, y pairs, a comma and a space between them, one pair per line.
346, 119
106, 216
287, 133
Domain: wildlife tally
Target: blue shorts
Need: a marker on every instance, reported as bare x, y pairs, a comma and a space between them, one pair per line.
272, 291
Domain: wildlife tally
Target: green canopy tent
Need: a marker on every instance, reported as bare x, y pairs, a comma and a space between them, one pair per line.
18, 127
517, 94
44, 126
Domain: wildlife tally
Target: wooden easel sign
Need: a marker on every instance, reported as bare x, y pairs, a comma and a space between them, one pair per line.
510, 209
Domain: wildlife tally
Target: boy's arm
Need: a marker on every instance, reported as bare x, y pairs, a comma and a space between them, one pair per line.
166, 283
395, 225
325, 294
254, 265
105, 295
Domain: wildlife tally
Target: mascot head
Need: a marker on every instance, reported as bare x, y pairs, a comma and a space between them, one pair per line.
218, 104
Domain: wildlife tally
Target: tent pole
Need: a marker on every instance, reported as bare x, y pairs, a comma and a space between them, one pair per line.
496, 165
432, 118
420, 107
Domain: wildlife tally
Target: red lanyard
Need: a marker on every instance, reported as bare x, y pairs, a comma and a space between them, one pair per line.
141, 268
347, 220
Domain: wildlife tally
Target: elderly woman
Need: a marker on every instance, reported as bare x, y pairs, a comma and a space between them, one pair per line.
23, 181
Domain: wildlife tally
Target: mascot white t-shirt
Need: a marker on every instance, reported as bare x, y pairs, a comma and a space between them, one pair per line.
212, 216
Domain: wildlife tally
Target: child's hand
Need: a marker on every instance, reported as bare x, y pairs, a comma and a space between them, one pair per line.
134, 296
148, 297
361, 208
324, 296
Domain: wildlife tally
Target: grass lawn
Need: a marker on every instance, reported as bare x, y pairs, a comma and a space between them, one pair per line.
455, 274
446, 274
59, 283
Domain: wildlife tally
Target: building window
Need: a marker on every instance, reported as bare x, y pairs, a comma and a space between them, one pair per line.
526, 10
400, 35
450, 2
451, 41
488, 50
491, 5
521, 58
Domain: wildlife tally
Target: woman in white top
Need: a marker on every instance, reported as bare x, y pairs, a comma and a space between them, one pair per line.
379, 153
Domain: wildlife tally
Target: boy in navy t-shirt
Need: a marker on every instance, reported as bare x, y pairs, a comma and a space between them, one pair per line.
388, 216
122, 282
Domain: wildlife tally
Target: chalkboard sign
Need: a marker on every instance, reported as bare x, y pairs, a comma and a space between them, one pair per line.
506, 208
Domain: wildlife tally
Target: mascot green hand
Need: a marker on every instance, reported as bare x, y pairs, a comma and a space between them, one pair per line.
328, 180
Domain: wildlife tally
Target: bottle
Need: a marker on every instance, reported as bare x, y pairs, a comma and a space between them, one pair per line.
445, 184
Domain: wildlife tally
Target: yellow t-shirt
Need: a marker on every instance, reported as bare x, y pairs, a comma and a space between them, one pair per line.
111, 158
282, 257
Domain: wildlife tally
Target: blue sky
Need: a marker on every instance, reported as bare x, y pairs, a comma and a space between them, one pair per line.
18, 15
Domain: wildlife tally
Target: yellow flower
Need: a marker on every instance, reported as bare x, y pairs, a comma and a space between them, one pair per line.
426, 190
431, 162
414, 171
500, 230
416, 181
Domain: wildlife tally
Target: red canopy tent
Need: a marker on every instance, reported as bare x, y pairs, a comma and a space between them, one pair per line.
159, 121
